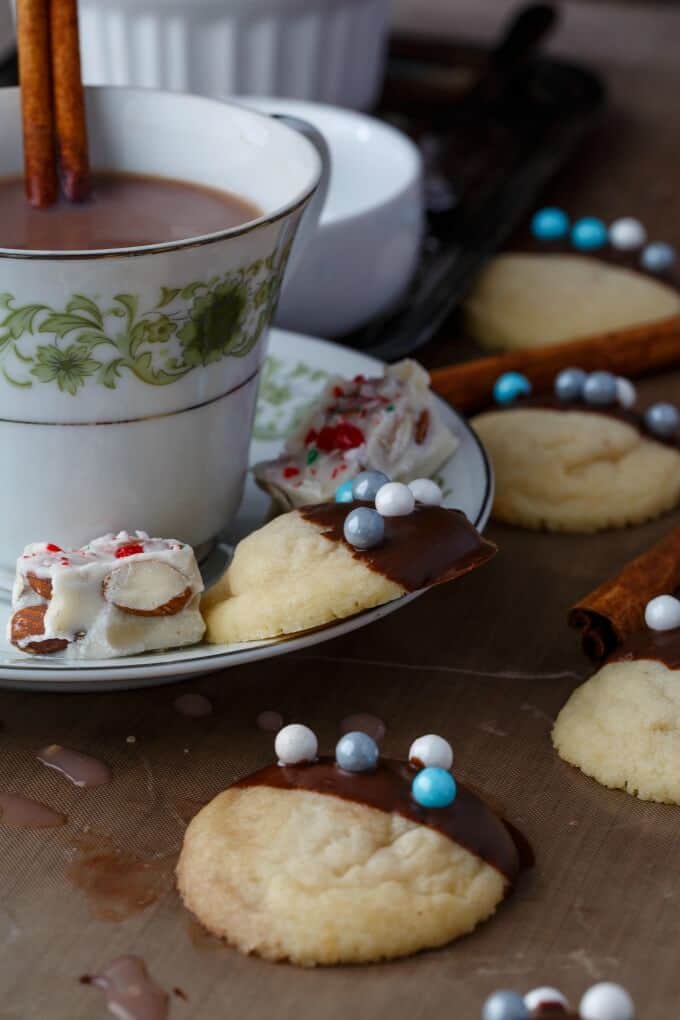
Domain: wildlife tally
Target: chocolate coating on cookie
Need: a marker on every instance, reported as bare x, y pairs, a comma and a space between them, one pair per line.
549, 402
657, 645
429, 546
468, 821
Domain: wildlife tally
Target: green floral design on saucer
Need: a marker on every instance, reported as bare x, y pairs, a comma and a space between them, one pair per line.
195, 325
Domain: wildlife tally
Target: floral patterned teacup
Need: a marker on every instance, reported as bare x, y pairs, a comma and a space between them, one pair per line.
128, 378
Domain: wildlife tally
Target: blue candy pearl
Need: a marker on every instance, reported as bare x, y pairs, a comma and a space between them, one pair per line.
509, 386
366, 485
569, 384
657, 257
599, 389
505, 1006
550, 224
364, 528
588, 234
434, 788
662, 420
343, 493
357, 752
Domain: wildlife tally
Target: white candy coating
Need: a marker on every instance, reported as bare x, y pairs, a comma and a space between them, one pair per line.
607, 1001
663, 613
426, 491
626, 394
295, 744
537, 996
394, 500
627, 234
431, 752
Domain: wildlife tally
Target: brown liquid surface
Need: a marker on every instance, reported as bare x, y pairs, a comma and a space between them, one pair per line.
22, 813
426, 547
125, 210
468, 821
81, 769
130, 992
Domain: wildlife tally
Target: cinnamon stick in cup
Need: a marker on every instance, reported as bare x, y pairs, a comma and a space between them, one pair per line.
40, 174
616, 610
69, 100
640, 350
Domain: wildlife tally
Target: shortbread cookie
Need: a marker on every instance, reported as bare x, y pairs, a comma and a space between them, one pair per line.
622, 728
389, 423
575, 470
527, 300
120, 595
298, 571
356, 873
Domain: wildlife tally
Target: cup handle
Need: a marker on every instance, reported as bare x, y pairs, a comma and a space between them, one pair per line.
312, 214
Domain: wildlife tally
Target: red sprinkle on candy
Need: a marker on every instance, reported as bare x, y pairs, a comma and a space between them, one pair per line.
338, 391
128, 550
343, 436
53, 548
291, 472
359, 378
310, 437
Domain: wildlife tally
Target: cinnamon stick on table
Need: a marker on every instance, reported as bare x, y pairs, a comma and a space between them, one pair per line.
633, 352
616, 610
40, 174
69, 100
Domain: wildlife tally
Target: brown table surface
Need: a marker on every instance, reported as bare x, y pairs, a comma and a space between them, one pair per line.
487, 662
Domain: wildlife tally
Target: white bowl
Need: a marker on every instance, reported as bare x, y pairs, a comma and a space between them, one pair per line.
328, 50
367, 245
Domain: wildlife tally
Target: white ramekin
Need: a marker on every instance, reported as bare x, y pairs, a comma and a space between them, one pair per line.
325, 50
365, 250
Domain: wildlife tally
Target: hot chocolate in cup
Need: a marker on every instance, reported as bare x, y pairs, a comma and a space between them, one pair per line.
128, 375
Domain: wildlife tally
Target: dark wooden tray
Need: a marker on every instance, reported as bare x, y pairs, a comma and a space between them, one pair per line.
494, 127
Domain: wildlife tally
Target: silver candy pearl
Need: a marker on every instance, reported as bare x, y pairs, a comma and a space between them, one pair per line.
662, 420
599, 389
364, 528
505, 1005
657, 257
357, 752
569, 384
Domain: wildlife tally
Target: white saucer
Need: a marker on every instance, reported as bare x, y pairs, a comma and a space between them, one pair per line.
296, 370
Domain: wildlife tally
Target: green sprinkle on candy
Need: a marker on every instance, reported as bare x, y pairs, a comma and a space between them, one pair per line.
312, 456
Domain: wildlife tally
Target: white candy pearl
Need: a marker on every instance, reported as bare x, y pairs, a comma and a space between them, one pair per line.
607, 1001
394, 500
663, 613
295, 744
538, 996
626, 394
426, 491
627, 234
431, 752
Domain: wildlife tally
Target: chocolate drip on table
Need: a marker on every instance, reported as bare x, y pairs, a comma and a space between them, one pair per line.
130, 992
19, 812
81, 769
429, 546
468, 821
